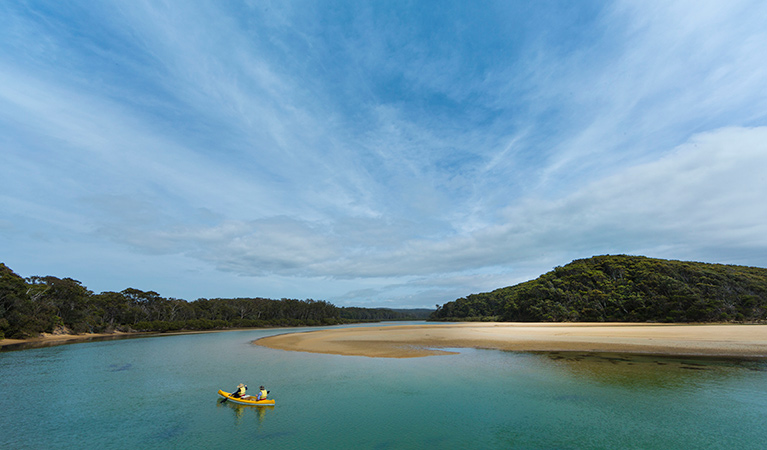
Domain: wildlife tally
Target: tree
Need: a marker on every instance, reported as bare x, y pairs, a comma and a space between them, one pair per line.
15, 306
624, 288
69, 299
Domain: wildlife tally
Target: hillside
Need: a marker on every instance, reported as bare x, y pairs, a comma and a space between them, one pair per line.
49, 304
621, 288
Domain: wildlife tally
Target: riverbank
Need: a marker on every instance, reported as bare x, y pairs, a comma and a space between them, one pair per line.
408, 341
50, 340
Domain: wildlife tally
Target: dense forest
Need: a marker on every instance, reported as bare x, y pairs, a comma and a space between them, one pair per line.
37, 305
623, 288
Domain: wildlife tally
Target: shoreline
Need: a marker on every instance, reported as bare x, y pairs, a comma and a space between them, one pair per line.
411, 341
436, 338
51, 340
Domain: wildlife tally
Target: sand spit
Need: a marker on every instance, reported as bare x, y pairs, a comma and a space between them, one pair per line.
409, 341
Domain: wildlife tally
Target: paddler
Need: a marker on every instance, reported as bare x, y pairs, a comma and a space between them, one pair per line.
262, 393
240, 392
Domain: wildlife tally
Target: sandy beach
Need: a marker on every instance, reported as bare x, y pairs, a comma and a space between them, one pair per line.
408, 341
53, 339
47, 340
50, 339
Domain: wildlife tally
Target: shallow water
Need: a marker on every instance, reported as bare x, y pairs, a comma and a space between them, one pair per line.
160, 393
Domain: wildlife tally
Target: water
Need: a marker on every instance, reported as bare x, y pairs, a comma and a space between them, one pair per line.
160, 393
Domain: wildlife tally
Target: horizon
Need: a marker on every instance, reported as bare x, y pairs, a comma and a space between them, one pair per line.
410, 307
379, 155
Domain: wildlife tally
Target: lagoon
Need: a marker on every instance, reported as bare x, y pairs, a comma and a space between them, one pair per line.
160, 393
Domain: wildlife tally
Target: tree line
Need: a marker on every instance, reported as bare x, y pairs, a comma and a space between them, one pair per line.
37, 305
622, 288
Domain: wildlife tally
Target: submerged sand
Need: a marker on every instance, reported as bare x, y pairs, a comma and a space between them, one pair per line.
408, 341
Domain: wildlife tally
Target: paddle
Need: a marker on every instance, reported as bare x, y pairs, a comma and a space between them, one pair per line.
226, 398
232, 394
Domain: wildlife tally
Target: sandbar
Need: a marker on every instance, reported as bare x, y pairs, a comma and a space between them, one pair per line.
409, 341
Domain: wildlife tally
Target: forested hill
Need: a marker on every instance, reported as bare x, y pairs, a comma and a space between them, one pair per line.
46, 304
624, 288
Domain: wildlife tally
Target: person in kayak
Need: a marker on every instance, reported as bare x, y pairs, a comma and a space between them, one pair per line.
262, 393
240, 392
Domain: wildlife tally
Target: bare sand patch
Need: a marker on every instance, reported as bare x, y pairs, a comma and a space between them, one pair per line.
408, 341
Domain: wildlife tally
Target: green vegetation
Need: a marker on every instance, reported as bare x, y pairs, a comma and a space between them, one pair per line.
623, 289
37, 305
357, 314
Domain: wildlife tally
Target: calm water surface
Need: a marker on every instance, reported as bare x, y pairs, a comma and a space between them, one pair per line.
160, 393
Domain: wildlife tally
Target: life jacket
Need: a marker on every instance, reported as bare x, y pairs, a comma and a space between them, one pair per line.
240, 392
262, 394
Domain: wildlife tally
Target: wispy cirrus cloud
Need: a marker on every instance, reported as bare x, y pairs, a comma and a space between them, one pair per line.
710, 183
386, 155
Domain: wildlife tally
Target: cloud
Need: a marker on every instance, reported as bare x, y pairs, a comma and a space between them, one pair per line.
660, 73
682, 201
381, 152
700, 195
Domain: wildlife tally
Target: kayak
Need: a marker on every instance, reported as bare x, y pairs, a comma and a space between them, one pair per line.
245, 401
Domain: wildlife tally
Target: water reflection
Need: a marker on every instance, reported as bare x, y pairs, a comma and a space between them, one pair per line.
629, 370
79, 339
242, 412
120, 367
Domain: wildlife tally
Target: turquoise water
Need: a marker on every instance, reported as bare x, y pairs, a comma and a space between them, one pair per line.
160, 393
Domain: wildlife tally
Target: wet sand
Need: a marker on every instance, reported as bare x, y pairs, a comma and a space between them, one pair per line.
409, 341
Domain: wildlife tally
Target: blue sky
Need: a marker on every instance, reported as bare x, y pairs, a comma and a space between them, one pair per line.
371, 153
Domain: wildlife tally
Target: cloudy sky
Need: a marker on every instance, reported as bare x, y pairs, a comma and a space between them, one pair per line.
376, 153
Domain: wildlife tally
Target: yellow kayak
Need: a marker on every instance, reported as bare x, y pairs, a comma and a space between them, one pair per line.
245, 401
